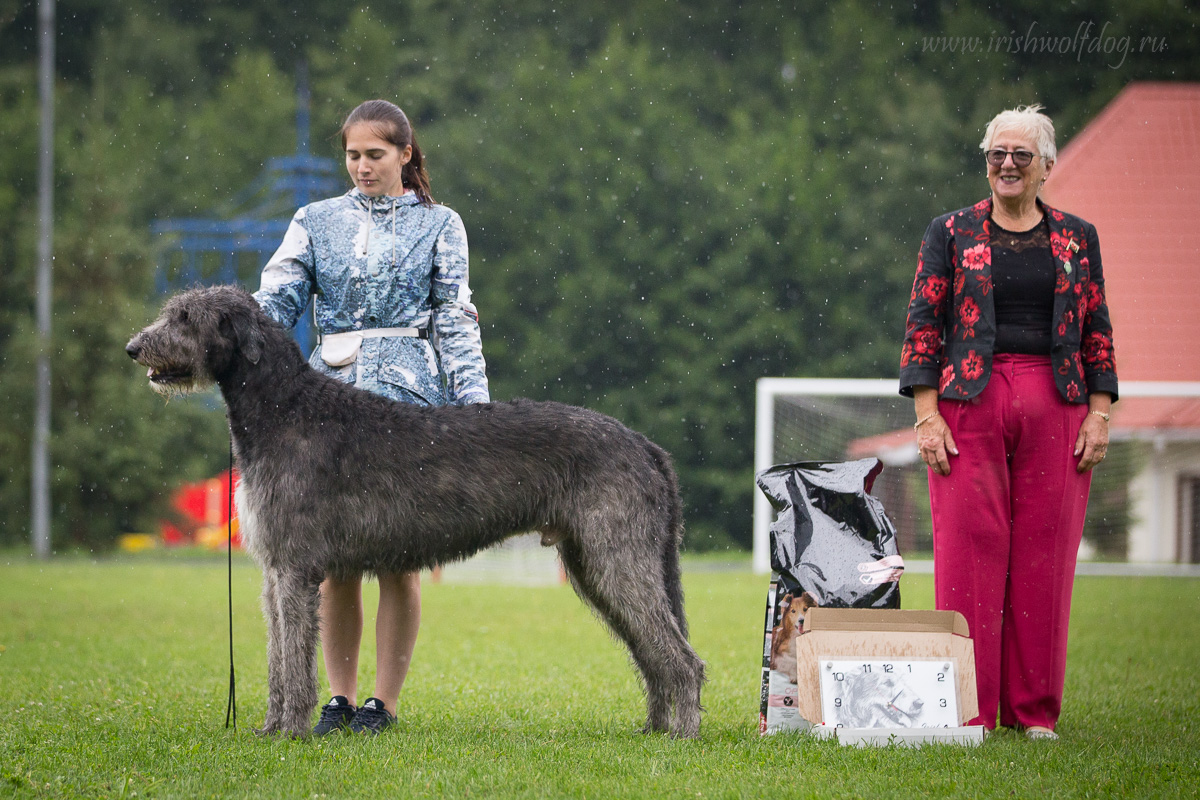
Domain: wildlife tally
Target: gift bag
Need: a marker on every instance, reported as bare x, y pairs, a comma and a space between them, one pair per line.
832, 545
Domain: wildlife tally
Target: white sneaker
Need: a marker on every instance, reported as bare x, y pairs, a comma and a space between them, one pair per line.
1040, 734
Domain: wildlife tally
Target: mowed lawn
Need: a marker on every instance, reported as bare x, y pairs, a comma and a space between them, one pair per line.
113, 679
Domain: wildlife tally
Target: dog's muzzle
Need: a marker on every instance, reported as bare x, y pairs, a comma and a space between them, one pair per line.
159, 378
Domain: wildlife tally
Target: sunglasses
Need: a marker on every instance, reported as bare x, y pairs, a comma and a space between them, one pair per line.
1021, 158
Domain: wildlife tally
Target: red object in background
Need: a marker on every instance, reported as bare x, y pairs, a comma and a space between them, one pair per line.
203, 511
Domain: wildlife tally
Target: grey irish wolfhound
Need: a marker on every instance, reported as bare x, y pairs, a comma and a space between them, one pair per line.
336, 480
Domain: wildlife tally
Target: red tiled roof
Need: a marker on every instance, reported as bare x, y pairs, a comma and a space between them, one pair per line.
1134, 172
894, 447
1144, 414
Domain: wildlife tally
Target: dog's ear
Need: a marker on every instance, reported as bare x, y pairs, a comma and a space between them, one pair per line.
249, 336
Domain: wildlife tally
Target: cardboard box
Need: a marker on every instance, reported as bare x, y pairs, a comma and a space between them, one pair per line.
849, 633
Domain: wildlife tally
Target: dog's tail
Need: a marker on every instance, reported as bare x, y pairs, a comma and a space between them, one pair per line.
672, 574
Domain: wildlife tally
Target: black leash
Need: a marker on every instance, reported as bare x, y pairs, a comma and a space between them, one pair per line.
231, 706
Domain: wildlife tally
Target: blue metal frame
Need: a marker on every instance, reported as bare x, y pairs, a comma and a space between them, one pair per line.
302, 178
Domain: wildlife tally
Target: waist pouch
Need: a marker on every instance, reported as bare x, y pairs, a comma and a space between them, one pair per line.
340, 349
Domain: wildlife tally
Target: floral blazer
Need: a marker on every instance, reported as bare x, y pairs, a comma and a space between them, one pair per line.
951, 325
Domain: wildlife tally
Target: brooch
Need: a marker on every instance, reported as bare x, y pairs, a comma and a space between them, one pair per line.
1074, 248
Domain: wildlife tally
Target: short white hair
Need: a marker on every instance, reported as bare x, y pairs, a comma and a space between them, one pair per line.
1028, 121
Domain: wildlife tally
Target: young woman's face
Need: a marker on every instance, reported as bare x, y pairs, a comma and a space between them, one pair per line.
374, 163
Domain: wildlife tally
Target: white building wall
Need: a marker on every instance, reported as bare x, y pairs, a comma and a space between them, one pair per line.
1153, 537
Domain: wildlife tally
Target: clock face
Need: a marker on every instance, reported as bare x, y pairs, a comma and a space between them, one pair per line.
888, 693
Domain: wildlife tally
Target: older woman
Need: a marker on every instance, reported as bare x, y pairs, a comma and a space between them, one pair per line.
1008, 355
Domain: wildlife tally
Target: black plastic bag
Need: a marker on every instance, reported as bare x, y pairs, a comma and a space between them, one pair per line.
831, 545
831, 538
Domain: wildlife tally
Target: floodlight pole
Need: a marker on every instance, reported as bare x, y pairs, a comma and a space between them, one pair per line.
40, 477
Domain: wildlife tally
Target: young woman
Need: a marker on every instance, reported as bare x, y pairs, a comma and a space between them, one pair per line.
388, 268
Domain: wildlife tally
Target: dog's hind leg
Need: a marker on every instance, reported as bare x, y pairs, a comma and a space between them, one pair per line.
685, 693
292, 678
635, 604
670, 544
658, 717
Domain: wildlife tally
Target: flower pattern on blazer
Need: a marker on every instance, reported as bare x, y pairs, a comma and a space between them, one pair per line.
951, 325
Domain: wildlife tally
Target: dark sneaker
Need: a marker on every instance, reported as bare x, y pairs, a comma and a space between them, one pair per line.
372, 718
336, 715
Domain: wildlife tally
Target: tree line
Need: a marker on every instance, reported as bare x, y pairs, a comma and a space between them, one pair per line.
665, 200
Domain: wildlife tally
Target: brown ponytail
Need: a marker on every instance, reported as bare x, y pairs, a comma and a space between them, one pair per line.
390, 124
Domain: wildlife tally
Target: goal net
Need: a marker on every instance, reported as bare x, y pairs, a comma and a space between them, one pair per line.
818, 419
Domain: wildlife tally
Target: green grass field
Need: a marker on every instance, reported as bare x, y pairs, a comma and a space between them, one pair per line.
113, 679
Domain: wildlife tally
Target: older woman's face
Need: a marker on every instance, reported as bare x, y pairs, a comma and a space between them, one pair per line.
1013, 184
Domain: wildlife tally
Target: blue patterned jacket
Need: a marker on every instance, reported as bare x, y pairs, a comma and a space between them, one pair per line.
384, 262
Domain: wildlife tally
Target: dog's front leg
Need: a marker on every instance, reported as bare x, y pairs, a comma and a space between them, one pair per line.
293, 649
290, 607
270, 606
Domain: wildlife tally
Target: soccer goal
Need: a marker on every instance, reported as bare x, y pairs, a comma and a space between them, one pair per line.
1144, 498
835, 419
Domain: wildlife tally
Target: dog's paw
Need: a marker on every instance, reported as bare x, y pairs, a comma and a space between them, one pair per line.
686, 732
686, 725
271, 724
295, 729
270, 731
276, 725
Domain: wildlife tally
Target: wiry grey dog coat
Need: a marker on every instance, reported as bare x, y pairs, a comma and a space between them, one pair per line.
336, 480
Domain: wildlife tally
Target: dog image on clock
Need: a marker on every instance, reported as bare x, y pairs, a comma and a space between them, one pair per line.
879, 700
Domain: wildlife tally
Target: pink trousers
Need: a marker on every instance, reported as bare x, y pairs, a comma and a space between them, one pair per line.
1007, 522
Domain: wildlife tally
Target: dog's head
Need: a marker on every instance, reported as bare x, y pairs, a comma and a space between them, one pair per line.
197, 337
806, 601
795, 608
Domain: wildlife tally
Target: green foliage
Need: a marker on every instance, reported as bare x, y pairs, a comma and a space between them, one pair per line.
665, 202
116, 450
533, 699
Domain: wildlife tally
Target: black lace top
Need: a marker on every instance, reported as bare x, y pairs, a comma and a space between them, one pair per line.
1023, 282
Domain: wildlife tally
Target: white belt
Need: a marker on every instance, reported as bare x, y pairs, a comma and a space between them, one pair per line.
340, 349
